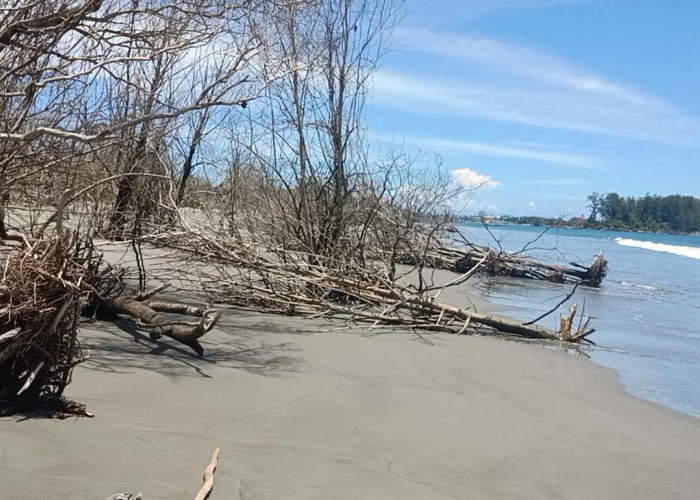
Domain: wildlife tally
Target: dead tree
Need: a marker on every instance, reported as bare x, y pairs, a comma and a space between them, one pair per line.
285, 282
308, 135
496, 262
58, 59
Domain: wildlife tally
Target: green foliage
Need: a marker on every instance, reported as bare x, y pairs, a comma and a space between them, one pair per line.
530, 220
655, 213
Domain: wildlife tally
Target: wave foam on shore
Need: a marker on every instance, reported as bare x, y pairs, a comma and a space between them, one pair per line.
684, 251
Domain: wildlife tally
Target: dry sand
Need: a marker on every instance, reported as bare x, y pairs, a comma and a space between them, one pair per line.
303, 415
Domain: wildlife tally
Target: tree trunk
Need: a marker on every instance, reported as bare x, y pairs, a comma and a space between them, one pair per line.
185, 333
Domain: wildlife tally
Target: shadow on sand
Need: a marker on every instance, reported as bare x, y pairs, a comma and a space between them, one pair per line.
238, 342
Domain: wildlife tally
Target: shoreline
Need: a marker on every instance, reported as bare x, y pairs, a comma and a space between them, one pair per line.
645, 375
302, 413
564, 226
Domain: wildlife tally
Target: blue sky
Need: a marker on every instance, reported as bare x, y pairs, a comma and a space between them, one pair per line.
545, 101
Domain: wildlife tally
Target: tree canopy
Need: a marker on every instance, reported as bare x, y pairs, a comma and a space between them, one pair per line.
674, 213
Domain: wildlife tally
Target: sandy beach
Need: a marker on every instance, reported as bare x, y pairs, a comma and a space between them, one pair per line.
419, 218
301, 413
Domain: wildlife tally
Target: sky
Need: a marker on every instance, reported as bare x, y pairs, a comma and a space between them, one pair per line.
541, 102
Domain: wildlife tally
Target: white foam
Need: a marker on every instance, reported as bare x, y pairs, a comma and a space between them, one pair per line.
684, 251
637, 285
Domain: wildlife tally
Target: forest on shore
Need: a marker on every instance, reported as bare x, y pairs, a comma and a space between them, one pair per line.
650, 213
674, 213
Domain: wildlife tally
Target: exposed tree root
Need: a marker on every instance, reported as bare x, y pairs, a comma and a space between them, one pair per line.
40, 300
46, 286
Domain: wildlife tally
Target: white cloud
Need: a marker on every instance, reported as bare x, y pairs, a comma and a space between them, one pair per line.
524, 61
525, 85
472, 179
567, 181
482, 8
507, 151
531, 205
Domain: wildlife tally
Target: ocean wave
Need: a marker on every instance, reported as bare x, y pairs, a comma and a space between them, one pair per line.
684, 251
641, 287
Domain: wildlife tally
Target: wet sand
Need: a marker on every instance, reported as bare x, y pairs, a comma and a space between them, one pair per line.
301, 413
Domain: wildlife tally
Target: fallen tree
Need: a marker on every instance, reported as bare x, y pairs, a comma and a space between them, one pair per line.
204, 491
149, 313
497, 262
288, 282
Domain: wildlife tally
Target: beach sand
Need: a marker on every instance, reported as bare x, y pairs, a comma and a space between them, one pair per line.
305, 414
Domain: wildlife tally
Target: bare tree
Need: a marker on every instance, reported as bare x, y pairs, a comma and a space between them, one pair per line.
84, 80
307, 133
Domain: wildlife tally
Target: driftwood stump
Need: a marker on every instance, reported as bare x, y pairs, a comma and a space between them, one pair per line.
150, 314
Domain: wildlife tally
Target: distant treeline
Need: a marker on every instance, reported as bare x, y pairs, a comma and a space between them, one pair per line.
673, 213
530, 220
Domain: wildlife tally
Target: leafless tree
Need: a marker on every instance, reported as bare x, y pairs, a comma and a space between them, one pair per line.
98, 86
306, 133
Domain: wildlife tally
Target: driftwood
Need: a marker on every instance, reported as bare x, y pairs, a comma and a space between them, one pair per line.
285, 282
149, 313
109, 300
208, 477
202, 494
512, 264
7, 336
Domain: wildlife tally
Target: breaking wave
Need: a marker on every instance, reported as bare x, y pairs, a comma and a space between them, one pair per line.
641, 287
684, 251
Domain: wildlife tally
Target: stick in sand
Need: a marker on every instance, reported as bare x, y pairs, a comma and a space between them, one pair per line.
206, 488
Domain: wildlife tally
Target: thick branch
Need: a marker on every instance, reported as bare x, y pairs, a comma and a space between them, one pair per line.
185, 334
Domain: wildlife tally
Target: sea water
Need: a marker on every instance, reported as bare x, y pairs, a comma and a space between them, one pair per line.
646, 314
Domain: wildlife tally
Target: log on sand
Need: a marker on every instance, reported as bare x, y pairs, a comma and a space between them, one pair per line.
514, 265
149, 313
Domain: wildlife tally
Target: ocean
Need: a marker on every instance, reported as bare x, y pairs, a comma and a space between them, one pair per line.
646, 315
